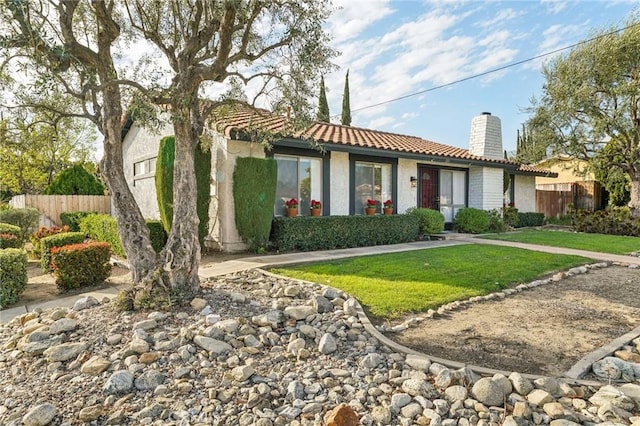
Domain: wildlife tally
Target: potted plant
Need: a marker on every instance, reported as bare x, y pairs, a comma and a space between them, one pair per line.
388, 207
372, 206
292, 207
316, 208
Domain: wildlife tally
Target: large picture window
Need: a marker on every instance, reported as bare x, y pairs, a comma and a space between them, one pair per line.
300, 178
372, 181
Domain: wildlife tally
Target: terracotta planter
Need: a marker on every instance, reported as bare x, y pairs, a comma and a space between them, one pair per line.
292, 212
370, 211
388, 212
316, 212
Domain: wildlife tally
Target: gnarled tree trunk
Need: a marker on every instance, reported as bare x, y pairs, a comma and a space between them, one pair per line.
634, 193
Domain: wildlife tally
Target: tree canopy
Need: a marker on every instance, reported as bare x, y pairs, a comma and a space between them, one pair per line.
590, 103
145, 56
323, 105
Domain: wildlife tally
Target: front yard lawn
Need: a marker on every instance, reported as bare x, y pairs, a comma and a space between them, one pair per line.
391, 285
614, 244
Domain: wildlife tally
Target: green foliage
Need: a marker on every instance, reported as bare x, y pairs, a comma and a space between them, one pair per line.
75, 180
612, 221
56, 240
102, 227
73, 219
496, 221
13, 275
157, 234
164, 180
510, 215
323, 105
81, 265
564, 220
530, 149
254, 195
615, 180
471, 220
42, 233
6, 228
431, 221
529, 219
164, 184
9, 241
345, 120
306, 233
574, 121
25, 218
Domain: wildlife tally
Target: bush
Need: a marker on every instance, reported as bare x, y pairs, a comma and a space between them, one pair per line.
613, 221
157, 234
496, 221
42, 233
6, 228
80, 265
529, 219
431, 221
102, 227
57, 240
75, 180
306, 233
510, 215
9, 241
26, 219
472, 221
13, 275
72, 219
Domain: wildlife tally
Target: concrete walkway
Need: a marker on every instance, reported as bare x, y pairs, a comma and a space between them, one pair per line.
212, 270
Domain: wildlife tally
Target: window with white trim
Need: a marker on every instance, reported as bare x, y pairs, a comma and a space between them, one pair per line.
373, 181
144, 167
299, 178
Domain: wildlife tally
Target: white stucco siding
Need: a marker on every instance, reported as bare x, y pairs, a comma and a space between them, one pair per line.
525, 193
485, 188
138, 145
407, 196
339, 183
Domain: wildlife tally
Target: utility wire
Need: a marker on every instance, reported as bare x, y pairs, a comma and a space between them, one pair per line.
482, 74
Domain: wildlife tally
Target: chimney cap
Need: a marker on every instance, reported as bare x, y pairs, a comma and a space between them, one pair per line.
485, 113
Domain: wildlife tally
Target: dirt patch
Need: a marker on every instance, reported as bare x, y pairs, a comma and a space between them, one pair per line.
544, 330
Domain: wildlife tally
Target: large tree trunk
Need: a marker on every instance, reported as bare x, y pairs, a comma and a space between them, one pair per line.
634, 202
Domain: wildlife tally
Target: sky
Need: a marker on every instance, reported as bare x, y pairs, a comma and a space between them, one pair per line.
394, 48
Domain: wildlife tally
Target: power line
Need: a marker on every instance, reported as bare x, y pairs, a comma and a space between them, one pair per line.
482, 74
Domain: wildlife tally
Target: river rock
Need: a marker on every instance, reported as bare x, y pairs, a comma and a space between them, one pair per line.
64, 351
299, 312
342, 415
612, 368
419, 387
327, 344
95, 366
119, 382
488, 392
63, 325
85, 303
212, 345
40, 415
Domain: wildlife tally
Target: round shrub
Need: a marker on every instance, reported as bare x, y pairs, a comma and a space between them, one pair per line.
431, 221
472, 221
24, 218
13, 275
75, 180
9, 241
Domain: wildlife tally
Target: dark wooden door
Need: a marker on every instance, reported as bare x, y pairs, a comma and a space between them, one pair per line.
428, 180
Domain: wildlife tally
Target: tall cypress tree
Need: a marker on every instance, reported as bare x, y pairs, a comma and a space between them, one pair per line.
323, 106
346, 107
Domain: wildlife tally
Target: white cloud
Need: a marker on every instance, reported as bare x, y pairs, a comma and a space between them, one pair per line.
502, 17
409, 115
354, 16
554, 6
380, 122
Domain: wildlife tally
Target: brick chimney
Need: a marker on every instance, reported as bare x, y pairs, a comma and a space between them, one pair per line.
485, 138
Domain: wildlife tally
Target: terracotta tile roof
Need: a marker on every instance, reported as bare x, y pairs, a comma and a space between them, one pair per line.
533, 170
244, 119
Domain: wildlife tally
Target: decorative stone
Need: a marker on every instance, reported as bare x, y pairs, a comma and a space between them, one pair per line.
145, 325
399, 400
521, 384
371, 360
488, 392
228, 325
64, 351
612, 368
381, 415
417, 362
95, 366
272, 319
40, 415
419, 387
91, 413
327, 344
321, 304
149, 380
85, 303
63, 325
198, 304
299, 312
609, 394
539, 397
342, 415
242, 373
212, 345
119, 382
456, 393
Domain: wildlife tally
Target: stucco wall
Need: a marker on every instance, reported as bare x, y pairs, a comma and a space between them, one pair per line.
485, 188
525, 193
568, 171
339, 184
146, 146
407, 196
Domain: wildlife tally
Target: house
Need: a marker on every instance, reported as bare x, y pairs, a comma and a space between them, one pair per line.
575, 184
355, 165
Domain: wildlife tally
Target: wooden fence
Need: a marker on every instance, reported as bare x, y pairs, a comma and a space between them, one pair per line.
554, 199
50, 206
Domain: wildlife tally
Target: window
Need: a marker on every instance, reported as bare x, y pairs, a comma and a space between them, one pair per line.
373, 181
300, 178
453, 190
144, 167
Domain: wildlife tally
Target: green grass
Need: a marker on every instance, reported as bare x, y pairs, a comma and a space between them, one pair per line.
391, 285
615, 244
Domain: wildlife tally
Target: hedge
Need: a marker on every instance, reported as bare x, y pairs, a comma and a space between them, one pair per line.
529, 219
42, 233
102, 227
81, 265
9, 241
26, 219
431, 221
612, 221
57, 240
6, 228
13, 275
73, 219
307, 233
471, 220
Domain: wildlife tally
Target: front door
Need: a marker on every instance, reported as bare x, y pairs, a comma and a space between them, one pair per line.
429, 188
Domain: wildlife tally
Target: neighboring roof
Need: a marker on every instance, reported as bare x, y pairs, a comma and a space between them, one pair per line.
242, 120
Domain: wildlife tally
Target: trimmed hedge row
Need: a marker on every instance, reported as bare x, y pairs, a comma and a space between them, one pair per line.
306, 233
44, 232
529, 219
80, 265
13, 275
9, 241
7, 228
26, 219
56, 240
102, 227
73, 219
